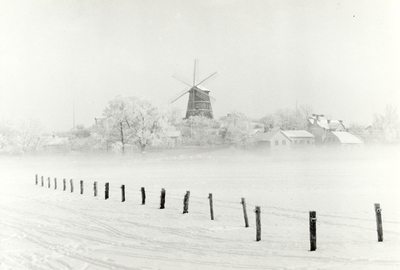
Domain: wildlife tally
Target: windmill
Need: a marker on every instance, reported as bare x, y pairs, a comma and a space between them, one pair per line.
199, 102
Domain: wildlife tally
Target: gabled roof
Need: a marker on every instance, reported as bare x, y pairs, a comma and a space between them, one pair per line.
297, 134
347, 137
267, 136
324, 123
202, 87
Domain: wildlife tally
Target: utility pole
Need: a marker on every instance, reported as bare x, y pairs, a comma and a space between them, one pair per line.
73, 115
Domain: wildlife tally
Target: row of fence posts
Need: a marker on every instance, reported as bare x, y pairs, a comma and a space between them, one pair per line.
312, 214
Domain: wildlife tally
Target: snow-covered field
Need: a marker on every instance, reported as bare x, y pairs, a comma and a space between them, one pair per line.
44, 228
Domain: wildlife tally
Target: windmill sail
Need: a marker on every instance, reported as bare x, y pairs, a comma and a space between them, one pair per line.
199, 102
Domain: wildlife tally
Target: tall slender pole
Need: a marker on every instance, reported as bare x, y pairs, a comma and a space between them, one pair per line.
186, 203
107, 187
258, 223
123, 193
210, 196
73, 114
246, 220
81, 186
313, 230
162, 199
143, 196
378, 213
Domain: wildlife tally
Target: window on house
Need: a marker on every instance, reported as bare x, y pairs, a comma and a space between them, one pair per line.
301, 141
276, 142
308, 141
283, 142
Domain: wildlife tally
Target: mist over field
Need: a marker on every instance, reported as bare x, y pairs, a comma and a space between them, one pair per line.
44, 228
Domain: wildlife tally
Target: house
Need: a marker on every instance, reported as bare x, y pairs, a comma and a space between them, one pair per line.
272, 140
55, 144
342, 138
174, 139
319, 126
300, 138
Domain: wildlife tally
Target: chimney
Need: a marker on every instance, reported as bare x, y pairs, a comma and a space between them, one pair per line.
329, 120
341, 121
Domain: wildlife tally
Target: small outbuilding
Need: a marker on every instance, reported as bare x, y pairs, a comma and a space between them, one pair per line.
272, 140
342, 138
300, 138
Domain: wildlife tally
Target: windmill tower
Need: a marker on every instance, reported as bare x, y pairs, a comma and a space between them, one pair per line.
199, 102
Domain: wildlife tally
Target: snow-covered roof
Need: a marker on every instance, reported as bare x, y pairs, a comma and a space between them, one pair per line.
265, 136
347, 137
298, 134
202, 87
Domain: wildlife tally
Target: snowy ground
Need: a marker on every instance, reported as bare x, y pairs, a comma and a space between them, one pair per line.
44, 228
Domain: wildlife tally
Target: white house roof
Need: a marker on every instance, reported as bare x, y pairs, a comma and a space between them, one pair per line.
265, 136
298, 134
347, 137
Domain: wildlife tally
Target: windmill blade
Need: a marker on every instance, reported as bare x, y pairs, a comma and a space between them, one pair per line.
206, 78
182, 81
180, 94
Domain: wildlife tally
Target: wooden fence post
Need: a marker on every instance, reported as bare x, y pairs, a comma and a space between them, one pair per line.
246, 220
42, 180
162, 199
378, 214
258, 223
64, 184
95, 188
123, 192
186, 202
107, 190
72, 185
313, 230
36, 179
211, 206
48, 182
55, 182
143, 195
81, 183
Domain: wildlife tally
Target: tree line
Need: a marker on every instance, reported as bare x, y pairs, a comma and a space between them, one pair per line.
139, 123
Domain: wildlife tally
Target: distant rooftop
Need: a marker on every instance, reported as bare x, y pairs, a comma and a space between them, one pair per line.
347, 137
297, 133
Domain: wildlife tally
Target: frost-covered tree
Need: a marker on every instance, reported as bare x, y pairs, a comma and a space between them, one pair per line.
28, 133
200, 131
145, 121
131, 120
114, 128
288, 119
388, 124
19, 137
7, 133
238, 129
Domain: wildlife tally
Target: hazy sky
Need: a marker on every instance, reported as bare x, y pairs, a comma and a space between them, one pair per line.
340, 57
